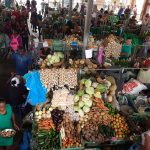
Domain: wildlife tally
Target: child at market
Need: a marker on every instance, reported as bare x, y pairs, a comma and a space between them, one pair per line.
126, 49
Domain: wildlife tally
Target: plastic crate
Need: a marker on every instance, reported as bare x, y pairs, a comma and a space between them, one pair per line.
58, 45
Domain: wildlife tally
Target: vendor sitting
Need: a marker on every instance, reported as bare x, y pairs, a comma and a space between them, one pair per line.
126, 49
45, 51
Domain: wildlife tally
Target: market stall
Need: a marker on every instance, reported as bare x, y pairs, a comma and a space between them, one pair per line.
87, 103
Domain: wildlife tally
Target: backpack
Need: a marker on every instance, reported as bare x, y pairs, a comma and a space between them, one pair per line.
14, 44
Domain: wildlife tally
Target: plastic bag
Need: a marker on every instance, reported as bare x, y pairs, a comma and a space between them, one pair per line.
133, 87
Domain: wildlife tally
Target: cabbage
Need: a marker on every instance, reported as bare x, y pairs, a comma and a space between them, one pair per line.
48, 64
98, 95
86, 109
88, 83
82, 81
81, 104
90, 90
76, 98
80, 93
85, 97
55, 59
49, 56
101, 88
88, 103
76, 108
81, 113
60, 55
55, 54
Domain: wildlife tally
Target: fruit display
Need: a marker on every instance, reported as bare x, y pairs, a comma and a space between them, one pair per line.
120, 127
92, 44
58, 77
72, 38
112, 47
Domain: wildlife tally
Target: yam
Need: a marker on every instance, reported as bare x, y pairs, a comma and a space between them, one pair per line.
90, 66
99, 80
94, 66
113, 87
111, 79
82, 61
86, 69
77, 62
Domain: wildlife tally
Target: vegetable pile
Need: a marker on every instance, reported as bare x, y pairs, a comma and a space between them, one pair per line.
91, 122
72, 130
112, 47
58, 77
52, 60
120, 127
48, 140
91, 94
72, 38
86, 64
45, 124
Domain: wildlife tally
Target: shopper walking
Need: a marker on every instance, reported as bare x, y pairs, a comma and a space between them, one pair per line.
28, 5
42, 7
39, 18
33, 5
135, 11
34, 20
25, 37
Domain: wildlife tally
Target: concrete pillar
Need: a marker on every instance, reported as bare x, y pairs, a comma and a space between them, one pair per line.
62, 3
87, 24
70, 8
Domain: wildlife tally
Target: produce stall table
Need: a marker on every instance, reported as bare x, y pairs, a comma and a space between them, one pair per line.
122, 145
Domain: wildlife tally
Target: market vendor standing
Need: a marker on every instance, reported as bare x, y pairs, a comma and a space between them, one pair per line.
7, 121
45, 51
126, 49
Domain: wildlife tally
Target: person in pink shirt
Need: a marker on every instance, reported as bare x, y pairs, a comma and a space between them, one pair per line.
15, 41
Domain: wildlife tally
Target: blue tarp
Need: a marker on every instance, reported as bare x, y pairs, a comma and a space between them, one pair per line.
37, 92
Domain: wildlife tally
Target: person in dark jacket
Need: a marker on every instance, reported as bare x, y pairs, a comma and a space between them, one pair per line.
25, 37
34, 20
